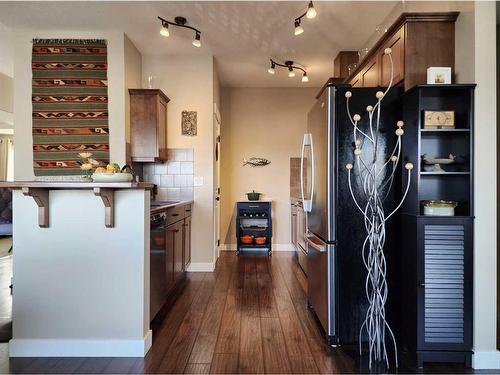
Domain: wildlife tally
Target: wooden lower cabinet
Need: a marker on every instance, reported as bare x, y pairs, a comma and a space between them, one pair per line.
169, 261
187, 241
178, 245
176, 230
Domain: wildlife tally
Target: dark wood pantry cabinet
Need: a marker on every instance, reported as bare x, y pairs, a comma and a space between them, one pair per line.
148, 125
437, 251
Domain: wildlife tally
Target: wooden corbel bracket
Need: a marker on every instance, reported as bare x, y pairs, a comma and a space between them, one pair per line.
108, 198
41, 198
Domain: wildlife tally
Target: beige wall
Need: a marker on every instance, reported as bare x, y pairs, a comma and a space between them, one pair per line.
188, 82
133, 77
23, 154
485, 199
6, 93
266, 123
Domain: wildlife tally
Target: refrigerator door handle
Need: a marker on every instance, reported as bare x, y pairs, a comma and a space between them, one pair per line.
321, 247
307, 141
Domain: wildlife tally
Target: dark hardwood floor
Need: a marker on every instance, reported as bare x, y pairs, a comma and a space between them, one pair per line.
249, 316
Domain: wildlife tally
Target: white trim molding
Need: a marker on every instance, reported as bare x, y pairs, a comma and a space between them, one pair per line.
80, 348
486, 360
201, 267
275, 247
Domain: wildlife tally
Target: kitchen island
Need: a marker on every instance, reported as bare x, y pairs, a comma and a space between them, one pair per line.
81, 269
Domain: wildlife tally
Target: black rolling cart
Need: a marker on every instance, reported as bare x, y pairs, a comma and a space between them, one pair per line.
254, 228
436, 286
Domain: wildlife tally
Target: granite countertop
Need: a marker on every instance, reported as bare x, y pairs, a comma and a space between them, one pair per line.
169, 205
68, 185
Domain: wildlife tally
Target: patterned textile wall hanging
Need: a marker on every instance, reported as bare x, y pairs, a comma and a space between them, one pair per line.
70, 104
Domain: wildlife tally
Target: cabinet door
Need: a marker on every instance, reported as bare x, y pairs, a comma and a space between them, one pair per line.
162, 129
169, 258
356, 82
178, 253
396, 43
187, 241
370, 75
445, 284
294, 225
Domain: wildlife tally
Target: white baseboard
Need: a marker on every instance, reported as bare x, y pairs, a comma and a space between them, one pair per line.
201, 267
275, 247
486, 360
80, 348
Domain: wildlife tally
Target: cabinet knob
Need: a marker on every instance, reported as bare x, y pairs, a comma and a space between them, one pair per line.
422, 285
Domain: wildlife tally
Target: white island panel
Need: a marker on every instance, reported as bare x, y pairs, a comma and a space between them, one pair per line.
79, 288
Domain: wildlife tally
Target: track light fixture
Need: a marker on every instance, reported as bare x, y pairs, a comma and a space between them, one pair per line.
291, 69
181, 22
310, 13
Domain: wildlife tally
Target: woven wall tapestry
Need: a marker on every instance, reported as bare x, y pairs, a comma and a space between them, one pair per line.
70, 104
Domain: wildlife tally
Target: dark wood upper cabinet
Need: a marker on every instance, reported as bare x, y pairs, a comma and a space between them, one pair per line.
418, 41
342, 62
148, 125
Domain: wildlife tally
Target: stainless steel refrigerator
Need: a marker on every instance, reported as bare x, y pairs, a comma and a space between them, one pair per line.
335, 230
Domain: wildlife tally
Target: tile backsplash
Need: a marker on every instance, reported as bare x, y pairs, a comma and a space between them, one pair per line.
174, 178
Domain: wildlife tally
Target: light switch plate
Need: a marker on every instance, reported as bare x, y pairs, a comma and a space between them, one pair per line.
197, 181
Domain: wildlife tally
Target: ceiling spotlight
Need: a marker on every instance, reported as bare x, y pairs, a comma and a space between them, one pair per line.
311, 12
180, 22
271, 69
305, 78
197, 41
298, 29
164, 30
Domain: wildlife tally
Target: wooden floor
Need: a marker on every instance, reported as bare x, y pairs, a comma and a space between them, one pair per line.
249, 316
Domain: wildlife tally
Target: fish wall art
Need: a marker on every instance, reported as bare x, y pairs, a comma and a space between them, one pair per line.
256, 162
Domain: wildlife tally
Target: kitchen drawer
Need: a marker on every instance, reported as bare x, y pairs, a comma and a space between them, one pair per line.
187, 210
175, 214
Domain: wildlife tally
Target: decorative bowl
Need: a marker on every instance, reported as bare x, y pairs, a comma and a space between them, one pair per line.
112, 177
431, 161
439, 208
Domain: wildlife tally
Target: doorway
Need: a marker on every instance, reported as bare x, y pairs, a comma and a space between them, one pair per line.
217, 191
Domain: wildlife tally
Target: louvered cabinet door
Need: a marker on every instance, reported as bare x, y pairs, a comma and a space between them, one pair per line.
445, 284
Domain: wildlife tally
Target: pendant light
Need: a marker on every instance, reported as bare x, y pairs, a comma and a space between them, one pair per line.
291, 73
180, 22
309, 13
305, 78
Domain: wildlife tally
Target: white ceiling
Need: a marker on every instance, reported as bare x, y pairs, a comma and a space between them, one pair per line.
241, 35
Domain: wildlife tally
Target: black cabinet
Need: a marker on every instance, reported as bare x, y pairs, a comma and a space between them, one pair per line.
437, 251
437, 280
254, 221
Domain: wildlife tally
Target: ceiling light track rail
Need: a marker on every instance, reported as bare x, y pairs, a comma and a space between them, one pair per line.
180, 22
288, 65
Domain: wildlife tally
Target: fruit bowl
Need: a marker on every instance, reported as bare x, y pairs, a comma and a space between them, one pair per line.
112, 177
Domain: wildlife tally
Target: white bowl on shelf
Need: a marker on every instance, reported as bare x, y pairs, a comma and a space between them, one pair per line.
112, 177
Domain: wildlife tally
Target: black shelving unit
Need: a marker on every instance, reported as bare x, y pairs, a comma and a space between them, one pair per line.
437, 257
255, 219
